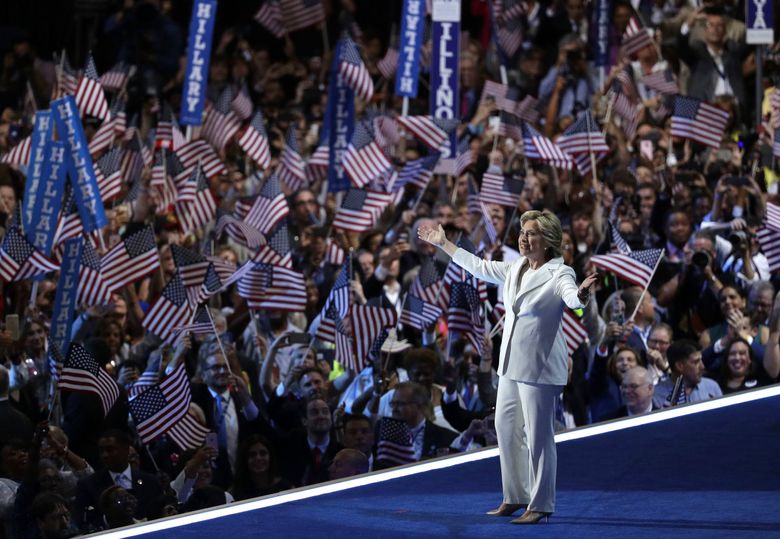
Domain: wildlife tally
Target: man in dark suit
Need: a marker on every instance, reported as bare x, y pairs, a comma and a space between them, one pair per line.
114, 452
409, 402
637, 389
716, 64
13, 423
229, 410
553, 26
309, 452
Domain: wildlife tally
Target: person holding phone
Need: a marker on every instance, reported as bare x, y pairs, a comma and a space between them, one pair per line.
533, 362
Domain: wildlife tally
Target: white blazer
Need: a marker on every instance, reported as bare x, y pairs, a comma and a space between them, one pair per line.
533, 346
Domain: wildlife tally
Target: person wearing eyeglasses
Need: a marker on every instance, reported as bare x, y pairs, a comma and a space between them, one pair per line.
637, 388
533, 362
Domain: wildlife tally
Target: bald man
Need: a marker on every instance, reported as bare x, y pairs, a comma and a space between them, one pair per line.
348, 462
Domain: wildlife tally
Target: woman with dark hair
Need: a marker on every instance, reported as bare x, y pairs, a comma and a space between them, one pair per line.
737, 371
257, 470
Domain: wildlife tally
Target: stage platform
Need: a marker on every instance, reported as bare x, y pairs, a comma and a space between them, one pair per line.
703, 470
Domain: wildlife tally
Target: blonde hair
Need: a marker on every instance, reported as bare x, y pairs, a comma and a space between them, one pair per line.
550, 228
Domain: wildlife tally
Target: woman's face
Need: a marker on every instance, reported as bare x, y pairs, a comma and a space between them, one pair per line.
36, 337
258, 458
531, 243
730, 300
624, 361
738, 359
113, 338
567, 247
204, 475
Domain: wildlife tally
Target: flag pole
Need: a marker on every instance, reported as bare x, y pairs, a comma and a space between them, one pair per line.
509, 225
219, 341
590, 151
497, 327
644, 291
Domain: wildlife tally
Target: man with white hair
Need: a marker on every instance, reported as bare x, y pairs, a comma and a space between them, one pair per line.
637, 389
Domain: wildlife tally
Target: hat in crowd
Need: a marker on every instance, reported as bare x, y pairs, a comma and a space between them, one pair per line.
393, 344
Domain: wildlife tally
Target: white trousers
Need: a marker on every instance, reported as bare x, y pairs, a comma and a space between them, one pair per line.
525, 415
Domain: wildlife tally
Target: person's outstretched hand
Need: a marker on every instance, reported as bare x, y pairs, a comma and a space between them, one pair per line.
434, 236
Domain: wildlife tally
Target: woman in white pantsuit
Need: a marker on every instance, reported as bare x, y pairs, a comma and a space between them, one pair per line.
533, 360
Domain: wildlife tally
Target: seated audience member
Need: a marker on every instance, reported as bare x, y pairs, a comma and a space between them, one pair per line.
605, 378
637, 388
257, 470
687, 368
52, 516
307, 452
118, 507
114, 450
196, 473
346, 463
358, 434
739, 371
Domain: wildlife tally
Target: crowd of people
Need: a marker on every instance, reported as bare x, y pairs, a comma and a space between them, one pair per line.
283, 410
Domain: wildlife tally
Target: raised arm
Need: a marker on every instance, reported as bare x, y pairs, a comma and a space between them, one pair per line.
490, 271
566, 288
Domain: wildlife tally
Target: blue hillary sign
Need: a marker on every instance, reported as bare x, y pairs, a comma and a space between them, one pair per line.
48, 198
339, 124
759, 22
193, 96
412, 20
602, 33
445, 66
79, 163
41, 138
65, 299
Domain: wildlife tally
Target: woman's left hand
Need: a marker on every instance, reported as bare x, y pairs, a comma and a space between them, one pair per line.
587, 285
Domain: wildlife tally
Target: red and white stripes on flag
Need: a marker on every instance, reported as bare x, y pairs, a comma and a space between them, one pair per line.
292, 168
238, 230
92, 288
364, 159
273, 287
772, 219
698, 121
188, 433
90, 98
109, 175
269, 207
103, 137
367, 325
115, 78
573, 330
389, 63
171, 310
636, 267
498, 189
19, 259
133, 258
82, 373
220, 126
195, 214
160, 407
354, 71
334, 253
361, 209
200, 151
433, 132
254, 141
419, 314
19, 154
270, 17
770, 246
636, 37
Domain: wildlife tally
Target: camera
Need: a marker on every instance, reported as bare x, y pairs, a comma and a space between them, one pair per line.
738, 239
701, 259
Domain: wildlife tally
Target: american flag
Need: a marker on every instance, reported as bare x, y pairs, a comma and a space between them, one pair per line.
386, 132
389, 63
636, 38
334, 254
537, 146
395, 445
428, 282
662, 81
115, 78
498, 189
510, 126
299, 14
419, 314
131, 259
238, 230
317, 165
582, 138
201, 211
636, 267
82, 373
161, 406
498, 92
266, 286
368, 324
199, 325
433, 132
163, 135
270, 17
278, 250
19, 154
119, 115
465, 158
92, 288
335, 309
19, 259
573, 330
67, 81
188, 188
188, 433
770, 246
103, 137
109, 175
528, 109
360, 209
772, 219
627, 109
465, 313
254, 141
507, 18
619, 243
490, 229
472, 198
774, 108
242, 103
292, 168
90, 98
171, 310
199, 151
776, 143
699, 121
148, 378
354, 71
221, 123
194, 267
418, 173
364, 159
269, 207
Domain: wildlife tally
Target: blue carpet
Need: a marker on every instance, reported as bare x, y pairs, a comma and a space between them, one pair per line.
712, 474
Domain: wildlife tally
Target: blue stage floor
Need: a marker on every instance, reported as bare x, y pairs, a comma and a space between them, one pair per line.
711, 474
